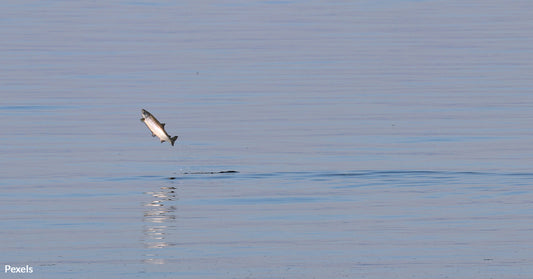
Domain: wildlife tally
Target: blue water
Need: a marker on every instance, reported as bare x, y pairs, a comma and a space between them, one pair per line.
363, 139
273, 225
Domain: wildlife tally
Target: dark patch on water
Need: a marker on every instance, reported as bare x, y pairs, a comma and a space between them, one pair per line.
206, 172
211, 172
390, 176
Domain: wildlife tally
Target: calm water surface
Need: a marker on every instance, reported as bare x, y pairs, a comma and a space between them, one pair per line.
370, 139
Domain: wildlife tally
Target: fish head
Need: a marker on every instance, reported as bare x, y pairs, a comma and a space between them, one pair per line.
145, 113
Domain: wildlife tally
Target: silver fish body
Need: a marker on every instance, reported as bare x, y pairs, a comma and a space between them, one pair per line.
157, 128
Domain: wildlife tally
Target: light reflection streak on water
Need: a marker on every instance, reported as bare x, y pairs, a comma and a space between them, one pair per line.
158, 218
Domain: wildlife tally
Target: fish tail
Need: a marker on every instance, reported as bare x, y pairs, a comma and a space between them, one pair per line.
173, 139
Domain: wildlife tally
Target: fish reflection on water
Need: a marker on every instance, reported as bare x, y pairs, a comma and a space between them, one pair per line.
158, 219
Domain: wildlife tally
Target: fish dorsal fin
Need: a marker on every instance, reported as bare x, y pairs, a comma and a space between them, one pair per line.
162, 125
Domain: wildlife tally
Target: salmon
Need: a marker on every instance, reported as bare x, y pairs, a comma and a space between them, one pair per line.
157, 128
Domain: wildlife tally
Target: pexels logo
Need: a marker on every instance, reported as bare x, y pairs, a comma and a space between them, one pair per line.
18, 269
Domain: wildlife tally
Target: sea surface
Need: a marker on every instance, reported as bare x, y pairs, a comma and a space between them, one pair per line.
317, 139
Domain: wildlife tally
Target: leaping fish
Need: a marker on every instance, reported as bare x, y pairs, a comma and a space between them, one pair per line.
157, 128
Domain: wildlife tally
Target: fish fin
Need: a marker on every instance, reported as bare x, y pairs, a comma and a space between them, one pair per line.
153, 135
163, 125
162, 141
173, 139
142, 119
